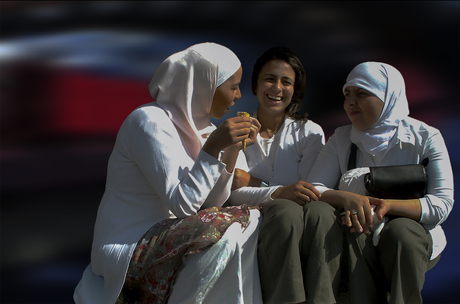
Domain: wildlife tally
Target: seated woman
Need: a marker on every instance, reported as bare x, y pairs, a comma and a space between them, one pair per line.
411, 241
279, 163
154, 240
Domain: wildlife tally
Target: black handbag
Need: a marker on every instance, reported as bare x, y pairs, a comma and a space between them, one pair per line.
396, 182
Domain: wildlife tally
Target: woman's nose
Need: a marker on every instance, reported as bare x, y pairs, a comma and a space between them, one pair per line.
277, 86
238, 94
349, 101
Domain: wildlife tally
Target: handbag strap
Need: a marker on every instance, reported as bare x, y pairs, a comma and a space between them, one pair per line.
352, 158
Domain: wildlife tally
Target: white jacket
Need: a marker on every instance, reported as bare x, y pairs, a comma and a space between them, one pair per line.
295, 148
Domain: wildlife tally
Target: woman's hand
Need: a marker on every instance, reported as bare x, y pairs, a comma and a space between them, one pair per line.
381, 206
241, 179
230, 133
255, 127
358, 212
300, 192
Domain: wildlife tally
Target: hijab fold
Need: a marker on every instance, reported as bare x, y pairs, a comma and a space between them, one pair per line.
184, 86
387, 83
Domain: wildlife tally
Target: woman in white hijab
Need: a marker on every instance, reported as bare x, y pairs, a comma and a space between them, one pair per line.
393, 268
161, 234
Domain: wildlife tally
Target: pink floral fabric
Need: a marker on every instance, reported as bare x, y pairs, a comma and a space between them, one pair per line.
160, 253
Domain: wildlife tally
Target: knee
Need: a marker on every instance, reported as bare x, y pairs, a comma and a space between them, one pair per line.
319, 212
401, 232
281, 217
281, 209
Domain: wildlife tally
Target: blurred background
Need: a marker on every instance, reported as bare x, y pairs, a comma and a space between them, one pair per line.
71, 71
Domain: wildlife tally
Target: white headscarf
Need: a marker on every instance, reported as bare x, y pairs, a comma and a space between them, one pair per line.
386, 83
184, 86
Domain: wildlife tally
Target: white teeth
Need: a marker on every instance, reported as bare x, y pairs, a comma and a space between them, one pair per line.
274, 97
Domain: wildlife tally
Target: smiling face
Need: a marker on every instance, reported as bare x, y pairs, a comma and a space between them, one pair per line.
226, 94
275, 86
363, 108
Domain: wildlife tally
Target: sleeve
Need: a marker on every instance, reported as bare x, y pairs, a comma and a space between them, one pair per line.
439, 201
221, 191
181, 183
311, 144
326, 172
251, 195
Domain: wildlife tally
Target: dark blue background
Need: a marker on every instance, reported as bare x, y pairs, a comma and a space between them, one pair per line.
72, 71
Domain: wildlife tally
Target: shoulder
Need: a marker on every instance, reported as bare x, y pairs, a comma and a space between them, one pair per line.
341, 137
148, 114
343, 132
148, 119
305, 127
416, 132
418, 126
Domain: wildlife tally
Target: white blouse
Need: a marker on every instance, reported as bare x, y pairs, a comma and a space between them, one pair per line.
291, 156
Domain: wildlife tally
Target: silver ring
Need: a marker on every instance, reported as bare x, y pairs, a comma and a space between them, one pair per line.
354, 212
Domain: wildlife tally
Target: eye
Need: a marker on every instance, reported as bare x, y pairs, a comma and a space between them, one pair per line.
363, 93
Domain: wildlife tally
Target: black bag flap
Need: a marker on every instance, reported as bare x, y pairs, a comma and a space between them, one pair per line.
397, 182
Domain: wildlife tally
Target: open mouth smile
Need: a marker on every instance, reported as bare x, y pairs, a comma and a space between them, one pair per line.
275, 98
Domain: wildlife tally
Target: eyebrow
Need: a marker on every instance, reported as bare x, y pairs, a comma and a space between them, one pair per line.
269, 74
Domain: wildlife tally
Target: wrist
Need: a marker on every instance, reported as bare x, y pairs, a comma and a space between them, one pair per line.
232, 149
211, 150
276, 194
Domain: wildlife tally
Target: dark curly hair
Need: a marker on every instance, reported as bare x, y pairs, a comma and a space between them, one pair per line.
287, 55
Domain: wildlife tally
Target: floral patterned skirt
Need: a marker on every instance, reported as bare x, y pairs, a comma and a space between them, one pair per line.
159, 255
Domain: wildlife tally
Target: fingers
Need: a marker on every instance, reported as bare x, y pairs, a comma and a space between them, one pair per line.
357, 220
346, 219
307, 191
369, 217
299, 200
256, 123
315, 193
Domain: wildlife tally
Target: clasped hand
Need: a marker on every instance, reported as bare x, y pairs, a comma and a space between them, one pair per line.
232, 132
358, 211
300, 192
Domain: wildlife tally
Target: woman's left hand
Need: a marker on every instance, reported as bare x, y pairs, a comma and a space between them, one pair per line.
381, 207
299, 192
358, 212
380, 211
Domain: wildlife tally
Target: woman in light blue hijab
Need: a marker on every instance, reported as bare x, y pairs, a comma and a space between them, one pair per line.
392, 269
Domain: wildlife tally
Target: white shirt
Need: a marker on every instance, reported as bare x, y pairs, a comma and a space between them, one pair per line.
291, 156
415, 141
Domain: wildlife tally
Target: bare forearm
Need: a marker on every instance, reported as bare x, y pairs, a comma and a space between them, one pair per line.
410, 208
335, 198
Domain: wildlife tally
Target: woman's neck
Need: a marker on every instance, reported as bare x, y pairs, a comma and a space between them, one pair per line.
270, 122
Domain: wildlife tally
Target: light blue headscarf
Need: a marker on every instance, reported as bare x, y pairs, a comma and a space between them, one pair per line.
387, 83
